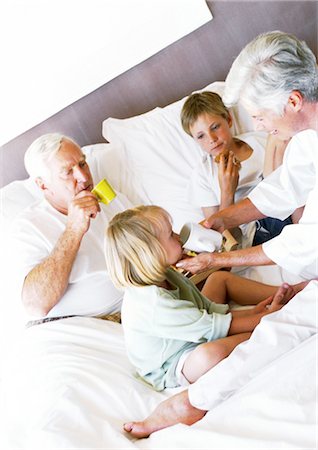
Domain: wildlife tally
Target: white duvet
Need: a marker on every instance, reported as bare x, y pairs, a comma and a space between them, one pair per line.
70, 385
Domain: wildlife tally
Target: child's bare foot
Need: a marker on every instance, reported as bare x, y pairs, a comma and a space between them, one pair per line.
176, 409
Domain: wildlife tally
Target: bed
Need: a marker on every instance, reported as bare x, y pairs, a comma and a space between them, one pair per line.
69, 384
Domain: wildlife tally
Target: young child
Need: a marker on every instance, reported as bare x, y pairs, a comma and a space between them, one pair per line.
231, 166
173, 332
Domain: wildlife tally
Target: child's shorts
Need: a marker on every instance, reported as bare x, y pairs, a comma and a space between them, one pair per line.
179, 369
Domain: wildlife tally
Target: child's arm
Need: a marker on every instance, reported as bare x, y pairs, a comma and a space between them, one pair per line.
228, 174
247, 320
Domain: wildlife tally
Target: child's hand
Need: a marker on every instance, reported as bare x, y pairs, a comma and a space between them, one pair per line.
228, 174
284, 293
263, 306
275, 302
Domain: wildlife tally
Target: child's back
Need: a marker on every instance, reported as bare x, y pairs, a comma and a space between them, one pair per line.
161, 324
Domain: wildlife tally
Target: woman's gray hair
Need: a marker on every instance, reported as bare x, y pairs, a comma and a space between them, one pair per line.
268, 69
41, 151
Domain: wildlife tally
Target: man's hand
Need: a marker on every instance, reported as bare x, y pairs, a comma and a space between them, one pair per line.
215, 222
81, 210
46, 283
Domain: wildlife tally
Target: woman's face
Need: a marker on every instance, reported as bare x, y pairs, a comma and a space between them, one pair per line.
170, 241
293, 120
284, 127
213, 134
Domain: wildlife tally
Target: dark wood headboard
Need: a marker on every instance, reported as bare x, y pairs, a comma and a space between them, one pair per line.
190, 63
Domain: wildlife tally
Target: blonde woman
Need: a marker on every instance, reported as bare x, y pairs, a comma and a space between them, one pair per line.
173, 332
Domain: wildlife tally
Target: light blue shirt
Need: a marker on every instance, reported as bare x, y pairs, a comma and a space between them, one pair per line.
160, 325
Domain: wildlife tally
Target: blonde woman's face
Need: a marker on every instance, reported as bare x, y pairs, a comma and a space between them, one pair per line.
170, 241
213, 134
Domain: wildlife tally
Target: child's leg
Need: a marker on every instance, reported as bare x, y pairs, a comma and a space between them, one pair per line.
223, 286
206, 356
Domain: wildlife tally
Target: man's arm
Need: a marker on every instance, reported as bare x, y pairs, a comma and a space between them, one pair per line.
253, 256
233, 216
46, 283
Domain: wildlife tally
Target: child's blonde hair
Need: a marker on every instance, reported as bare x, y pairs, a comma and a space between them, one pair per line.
202, 103
134, 255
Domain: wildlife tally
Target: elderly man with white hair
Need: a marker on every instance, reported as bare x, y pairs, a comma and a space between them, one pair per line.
58, 240
276, 78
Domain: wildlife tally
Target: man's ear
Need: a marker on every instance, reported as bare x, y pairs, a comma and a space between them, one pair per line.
40, 183
296, 101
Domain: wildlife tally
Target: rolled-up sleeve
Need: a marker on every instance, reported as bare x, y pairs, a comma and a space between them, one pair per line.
288, 187
296, 249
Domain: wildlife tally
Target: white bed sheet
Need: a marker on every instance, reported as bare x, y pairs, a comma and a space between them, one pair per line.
69, 385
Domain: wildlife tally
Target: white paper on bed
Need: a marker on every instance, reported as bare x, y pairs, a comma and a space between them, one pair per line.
70, 385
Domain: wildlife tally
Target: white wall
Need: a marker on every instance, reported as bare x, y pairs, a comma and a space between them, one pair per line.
44, 44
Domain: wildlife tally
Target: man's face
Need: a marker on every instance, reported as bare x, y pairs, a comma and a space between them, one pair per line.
70, 175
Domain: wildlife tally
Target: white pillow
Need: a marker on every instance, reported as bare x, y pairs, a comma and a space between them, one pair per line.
160, 156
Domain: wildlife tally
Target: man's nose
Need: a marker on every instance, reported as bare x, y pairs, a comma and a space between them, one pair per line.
80, 174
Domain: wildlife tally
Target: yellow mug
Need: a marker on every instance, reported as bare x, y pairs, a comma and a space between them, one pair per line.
104, 192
